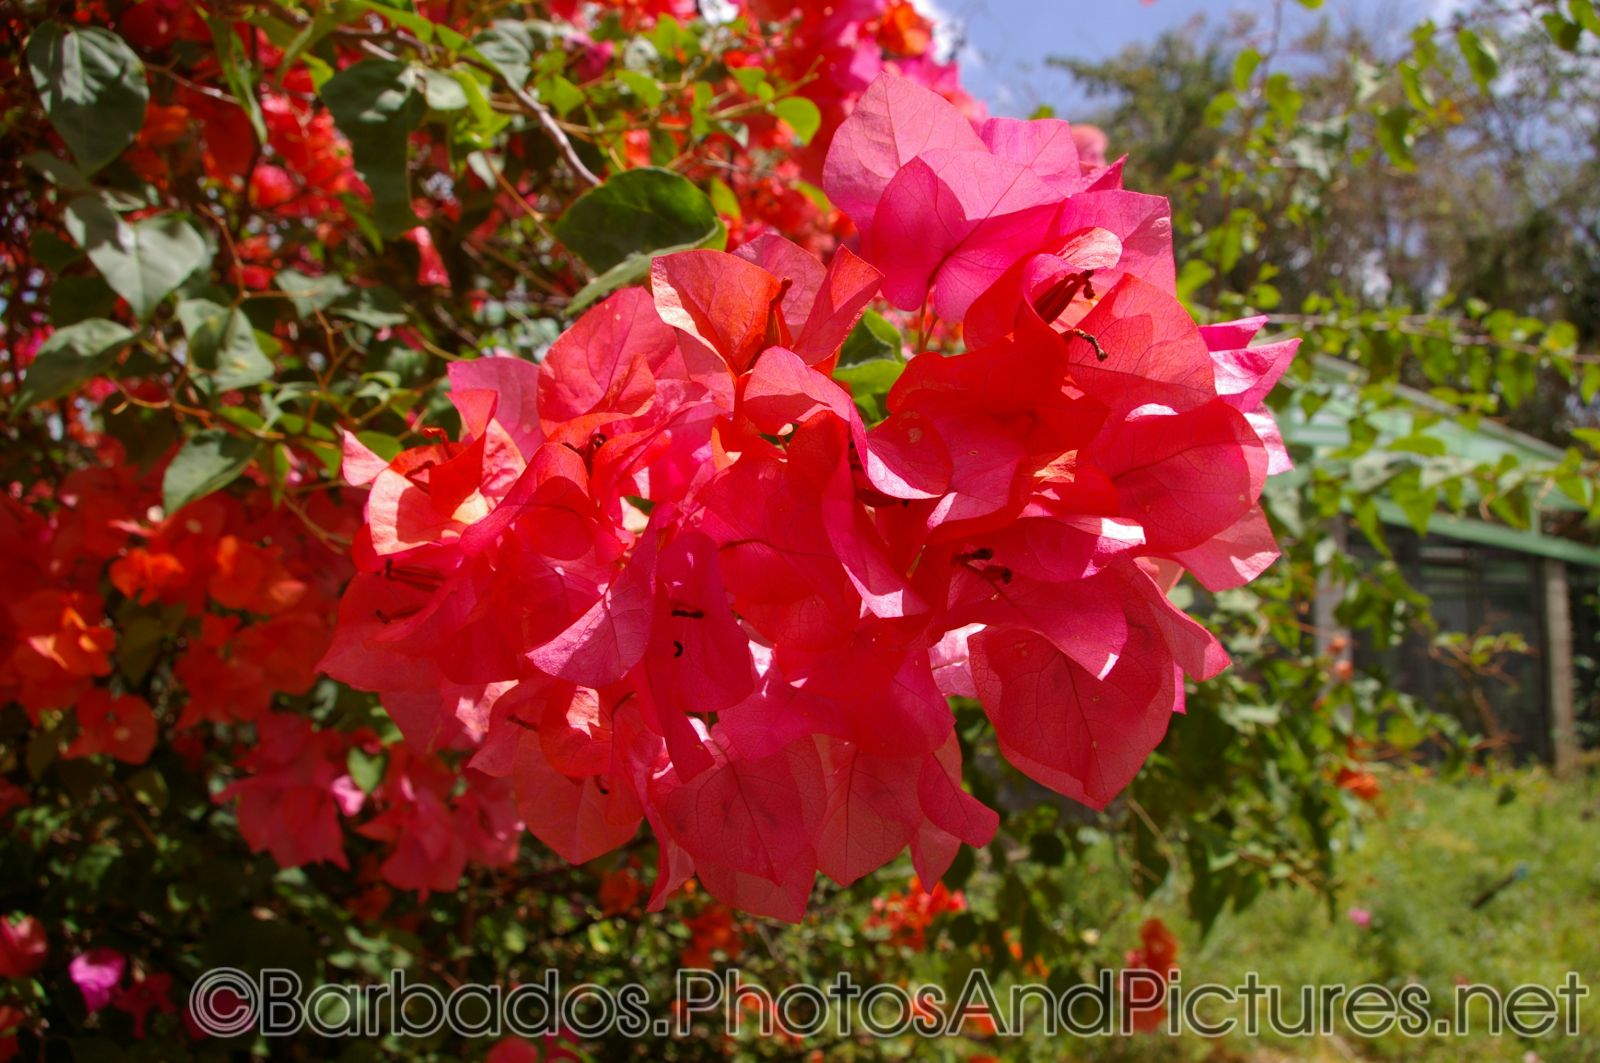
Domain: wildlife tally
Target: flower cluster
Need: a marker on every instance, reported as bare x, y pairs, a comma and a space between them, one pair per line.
671, 574
1145, 1006
236, 587
98, 974
908, 915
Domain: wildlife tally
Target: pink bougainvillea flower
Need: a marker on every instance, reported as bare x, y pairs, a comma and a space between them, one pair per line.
287, 803
946, 210
62, 644
771, 293
671, 577
430, 266
122, 727
97, 973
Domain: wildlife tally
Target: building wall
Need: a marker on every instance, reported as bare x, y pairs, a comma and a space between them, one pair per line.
1478, 591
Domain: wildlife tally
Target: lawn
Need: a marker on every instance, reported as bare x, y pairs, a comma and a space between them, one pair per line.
1494, 879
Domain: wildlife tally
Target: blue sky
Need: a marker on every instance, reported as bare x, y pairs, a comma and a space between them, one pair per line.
1007, 41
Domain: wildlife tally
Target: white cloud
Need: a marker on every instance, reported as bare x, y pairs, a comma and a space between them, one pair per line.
949, 34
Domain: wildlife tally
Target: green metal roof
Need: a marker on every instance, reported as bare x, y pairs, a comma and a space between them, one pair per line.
1329, 430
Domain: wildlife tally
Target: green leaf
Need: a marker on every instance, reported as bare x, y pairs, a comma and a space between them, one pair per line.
562, 95
872, 338
1417, 92
150, 787
634, 212
1482, 57
366, 769
75, 299
869, 382
223, 343
724, 199
635, 268
1283, 98
377, 103
1394, 135
1589, 387
376, 307
1565, 34
71, 357
802, 116
1244, 68
92, 87
139, 641
58, 172
382, 444
51, 252
443, 91
750, 78
645, 89
1584, 14
509, 47
143, 262
238, 71
873, 377
310, 294
323, 22
207, 462
1196, 274
400, 15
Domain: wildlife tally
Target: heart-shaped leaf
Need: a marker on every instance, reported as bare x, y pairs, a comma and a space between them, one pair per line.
634, 213
143, 262
71, 357
223, 343
208, 462
92, 87
310, 294
377, 103
802, 116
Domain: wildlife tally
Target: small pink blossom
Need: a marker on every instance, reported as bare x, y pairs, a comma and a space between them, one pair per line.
96, 974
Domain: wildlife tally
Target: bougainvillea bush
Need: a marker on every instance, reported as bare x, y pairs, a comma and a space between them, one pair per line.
449, 444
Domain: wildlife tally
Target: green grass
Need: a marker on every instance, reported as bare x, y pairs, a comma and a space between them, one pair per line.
1436, 849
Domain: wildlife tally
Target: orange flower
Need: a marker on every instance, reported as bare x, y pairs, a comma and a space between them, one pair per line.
903, 30
1363, 784
61, 644
73, 644
147, 577
370, 904
251, 578
163, 125
1157, 953
908, 915
620, 891
713, 930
